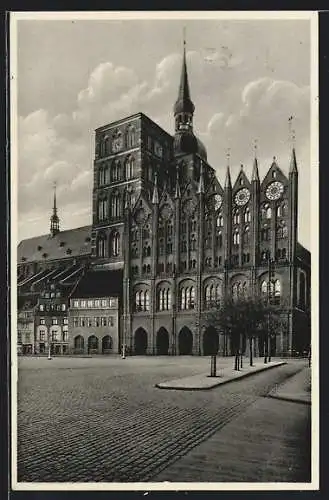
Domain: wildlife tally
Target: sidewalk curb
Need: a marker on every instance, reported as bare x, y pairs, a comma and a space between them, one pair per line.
239, 377
291, 400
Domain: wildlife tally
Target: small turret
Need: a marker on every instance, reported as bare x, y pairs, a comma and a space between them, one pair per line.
155, 197
54, 219
228, 182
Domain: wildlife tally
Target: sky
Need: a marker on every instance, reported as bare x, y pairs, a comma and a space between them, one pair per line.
246, 79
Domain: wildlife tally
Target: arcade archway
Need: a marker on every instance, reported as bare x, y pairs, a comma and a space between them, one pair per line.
185, 341
140, 341
162, 342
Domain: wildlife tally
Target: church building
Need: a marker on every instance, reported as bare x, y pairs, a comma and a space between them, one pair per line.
178, 241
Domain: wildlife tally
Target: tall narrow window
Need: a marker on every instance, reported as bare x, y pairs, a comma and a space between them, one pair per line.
115, 244
130, 165
115, 205
101, 246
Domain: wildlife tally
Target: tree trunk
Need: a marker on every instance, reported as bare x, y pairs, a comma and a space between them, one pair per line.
250, 351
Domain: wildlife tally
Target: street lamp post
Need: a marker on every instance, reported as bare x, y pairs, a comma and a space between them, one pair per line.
49, 346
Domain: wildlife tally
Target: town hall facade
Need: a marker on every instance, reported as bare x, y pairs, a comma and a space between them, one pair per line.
181, 241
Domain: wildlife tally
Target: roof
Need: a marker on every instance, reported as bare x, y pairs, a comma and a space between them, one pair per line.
65, 244
99, 284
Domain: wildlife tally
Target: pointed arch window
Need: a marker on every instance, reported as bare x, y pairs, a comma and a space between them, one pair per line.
101, 176
236, 238
247, 215
131, 137
115, 244
164, 299
101, 246
142, 300
193, 242
115, 205
266, 211
130, 167
236, 217
116, 170
279, 211
220, 221
187, 297
102, 209
212, 295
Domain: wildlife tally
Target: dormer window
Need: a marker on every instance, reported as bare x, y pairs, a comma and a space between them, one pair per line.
39, 248
23, 259
44, 255
62, 243
274, 174
87, 239
69, 251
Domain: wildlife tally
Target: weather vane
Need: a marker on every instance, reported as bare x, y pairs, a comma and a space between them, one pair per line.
255, 147
292, 132
228, 156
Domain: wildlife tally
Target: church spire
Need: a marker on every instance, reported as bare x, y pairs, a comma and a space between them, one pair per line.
255, 173
54, 219
184, 107
293, 162
228, 183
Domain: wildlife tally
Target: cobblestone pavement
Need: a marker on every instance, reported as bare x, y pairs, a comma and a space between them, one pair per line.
102, 419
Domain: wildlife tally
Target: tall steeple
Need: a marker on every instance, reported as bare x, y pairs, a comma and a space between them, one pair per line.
255, 173
54, 219
184, 107
293, 162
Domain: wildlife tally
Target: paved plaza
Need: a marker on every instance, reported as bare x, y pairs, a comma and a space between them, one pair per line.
103, 419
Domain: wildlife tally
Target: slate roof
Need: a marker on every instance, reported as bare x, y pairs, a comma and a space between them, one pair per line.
99, 284
71, 243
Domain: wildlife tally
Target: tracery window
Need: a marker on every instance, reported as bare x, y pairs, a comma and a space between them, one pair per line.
164, 299
142, 300
219, 240
187, 297
212, 295
131, 137
236, 217
220, 221
246, 235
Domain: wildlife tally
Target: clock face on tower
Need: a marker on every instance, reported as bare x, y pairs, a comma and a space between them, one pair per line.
242, 196
217, 201
274, 190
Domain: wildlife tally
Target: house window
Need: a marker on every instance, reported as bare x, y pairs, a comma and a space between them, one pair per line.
75, 303
130, 165
89, 303
65, 336
104, 303
83, 304
42, 321
82, 321
110, 321
42, 335
41, 307
97, 303
75, 322
103, 321
96, 321
54, 321
65, 321
54, 335
63, 307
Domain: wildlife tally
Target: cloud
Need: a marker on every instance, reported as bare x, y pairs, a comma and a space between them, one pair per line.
60, 147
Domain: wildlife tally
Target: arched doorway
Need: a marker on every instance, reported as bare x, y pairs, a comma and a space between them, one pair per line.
185, 341
140, 341
79, 344
162, 342
107, 344
92, 344
210, 341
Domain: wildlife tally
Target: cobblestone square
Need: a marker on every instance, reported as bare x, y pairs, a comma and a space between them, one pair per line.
103, 419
